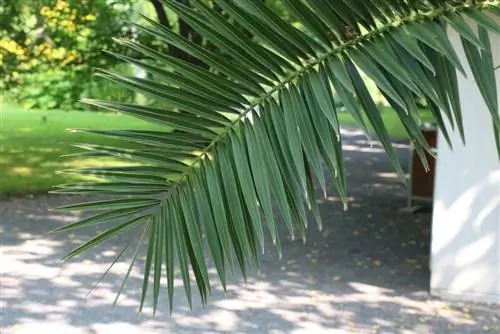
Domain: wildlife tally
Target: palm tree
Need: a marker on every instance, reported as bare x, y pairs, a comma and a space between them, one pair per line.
255, 124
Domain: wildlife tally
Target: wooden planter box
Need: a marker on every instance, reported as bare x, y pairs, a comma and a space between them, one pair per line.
421, 185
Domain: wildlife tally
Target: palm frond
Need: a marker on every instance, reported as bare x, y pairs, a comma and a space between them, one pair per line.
256, 124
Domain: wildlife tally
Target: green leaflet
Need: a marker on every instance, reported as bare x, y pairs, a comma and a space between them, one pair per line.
218, 34
262, 56
328, 140
167, 141
174, 97
311, 199
158, 258
100, 218
368, 66
109, 233
374, 117
169, 246
261, 182
246, 184
480, 71
235, 208
434, 36
122, 174
150, 255
212, 236
481, 64
319, 88
462, 27
180, 246
411, 46
168, 164
219, 212
132, 262
301, 11
294, 189
301, 43
193, 73
484, 20
346, 92
384, 55
276, 181
308, 138
108, 205
117, 257
194, 242
328, 18
292, 130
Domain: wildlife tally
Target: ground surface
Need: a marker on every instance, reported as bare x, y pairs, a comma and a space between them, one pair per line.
366, 272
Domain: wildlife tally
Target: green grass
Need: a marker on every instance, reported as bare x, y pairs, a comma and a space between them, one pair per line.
32, 143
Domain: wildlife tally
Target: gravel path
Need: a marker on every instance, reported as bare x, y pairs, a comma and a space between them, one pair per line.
366, 272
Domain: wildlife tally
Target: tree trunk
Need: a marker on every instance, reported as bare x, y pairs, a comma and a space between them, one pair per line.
184, 30
160, 13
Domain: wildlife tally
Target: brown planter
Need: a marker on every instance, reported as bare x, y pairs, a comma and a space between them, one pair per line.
422, 181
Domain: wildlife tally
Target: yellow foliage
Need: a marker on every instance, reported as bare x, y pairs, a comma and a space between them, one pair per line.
45, 11
33, 62
63, 17
90, 17
11, 46
61, 5
58, 53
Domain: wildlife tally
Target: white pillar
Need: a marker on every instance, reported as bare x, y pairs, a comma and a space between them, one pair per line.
465, 251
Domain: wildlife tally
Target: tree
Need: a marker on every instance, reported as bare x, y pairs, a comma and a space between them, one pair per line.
259, 119
48, 48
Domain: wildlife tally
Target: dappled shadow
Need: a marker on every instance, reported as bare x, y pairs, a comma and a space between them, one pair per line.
466, 245
32, 143
366, 271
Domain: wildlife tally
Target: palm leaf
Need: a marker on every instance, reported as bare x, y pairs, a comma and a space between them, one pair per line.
255, 126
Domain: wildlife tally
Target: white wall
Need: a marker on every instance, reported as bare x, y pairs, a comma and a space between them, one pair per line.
465, 251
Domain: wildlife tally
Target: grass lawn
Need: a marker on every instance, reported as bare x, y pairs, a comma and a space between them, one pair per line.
32, 143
